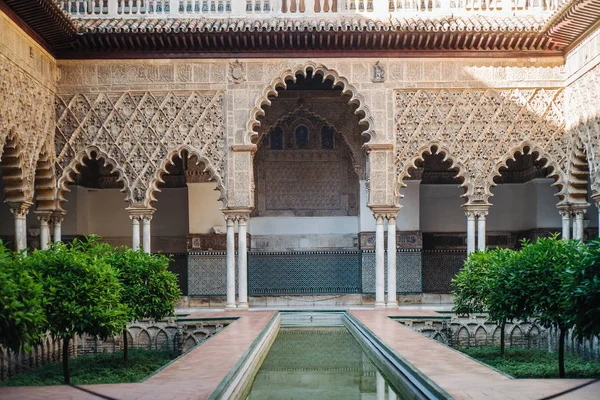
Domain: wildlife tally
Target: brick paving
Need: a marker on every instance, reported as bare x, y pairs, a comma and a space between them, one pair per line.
460, 376
198, 373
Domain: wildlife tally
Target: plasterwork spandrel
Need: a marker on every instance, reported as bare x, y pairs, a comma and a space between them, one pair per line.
479, 130
138, 133
28, 117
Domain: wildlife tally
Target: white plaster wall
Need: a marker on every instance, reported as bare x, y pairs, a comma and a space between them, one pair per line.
507, 211
409, 215
440, 208
204, 207
303, 225
547, 215
171, 216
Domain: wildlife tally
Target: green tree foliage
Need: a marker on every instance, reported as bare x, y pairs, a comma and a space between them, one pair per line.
82, 293
470, 284
150, 290
582, 288
544, 264
21, 314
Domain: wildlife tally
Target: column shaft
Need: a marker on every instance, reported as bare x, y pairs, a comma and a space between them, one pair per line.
566, 224
19, 211
379, 386
470, 232
44, 232
146, 233
391, 267
230, 263
379, 262
579, 225
57, 222
242, 264
481, 231
135, 242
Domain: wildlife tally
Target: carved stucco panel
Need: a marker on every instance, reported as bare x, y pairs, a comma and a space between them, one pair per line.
479, 130
138, 133
27, 115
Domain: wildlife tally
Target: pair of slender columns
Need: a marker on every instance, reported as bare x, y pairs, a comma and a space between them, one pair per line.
380, 218
578, 225
476, 229
144, 219
242, 222
20, 211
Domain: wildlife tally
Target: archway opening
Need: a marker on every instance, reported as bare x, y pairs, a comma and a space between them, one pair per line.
94, 203
524, 201
310, 192
433, 197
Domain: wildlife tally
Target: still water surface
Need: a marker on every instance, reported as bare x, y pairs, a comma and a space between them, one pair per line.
318, 363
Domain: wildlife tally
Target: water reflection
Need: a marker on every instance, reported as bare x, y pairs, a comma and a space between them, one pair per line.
318, 363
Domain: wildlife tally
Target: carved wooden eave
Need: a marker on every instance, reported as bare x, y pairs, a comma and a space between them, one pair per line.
464, 36
47, 23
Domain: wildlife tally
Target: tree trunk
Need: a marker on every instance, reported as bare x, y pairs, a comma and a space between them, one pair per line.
65, 357
561, 352
502, 344
125, 346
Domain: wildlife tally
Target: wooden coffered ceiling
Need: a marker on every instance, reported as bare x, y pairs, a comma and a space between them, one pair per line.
472, 36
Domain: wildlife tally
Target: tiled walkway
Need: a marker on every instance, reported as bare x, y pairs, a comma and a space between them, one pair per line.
194, 376
460, 376
198, 373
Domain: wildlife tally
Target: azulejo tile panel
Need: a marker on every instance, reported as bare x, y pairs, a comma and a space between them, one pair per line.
439, 267
207, 273
304, 272
408, 271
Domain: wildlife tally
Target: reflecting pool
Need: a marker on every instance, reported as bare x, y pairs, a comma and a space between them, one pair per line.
318, 363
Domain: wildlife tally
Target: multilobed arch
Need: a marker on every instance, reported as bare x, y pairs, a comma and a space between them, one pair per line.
72, 170
434, 147
13, 167
527, 147
45, 181
168, 160
279, 83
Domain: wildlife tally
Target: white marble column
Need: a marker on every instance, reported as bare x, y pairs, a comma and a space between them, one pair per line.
242, 262
470, 232
379, 262
578, 224
392, 301
146, 244
481, 230
379, 386
57, 219
565, 216
598, 208
44, 230
230, 262
19, 211
391, 394
135, 233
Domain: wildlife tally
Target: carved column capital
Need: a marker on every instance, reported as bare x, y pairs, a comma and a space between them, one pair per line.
140, 214
45, 217
58, 217
20, 210
239, 214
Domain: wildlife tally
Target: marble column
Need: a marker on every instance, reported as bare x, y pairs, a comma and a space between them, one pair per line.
57, 219
146, 219
392, 301
135, 233
597, 199
379, 262
481, 230
230, 262
242, 262
566, 224
391, 394
19, 211
44, 219
578, 224
470, 232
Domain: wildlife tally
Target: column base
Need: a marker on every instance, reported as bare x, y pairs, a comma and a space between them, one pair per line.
392, 305
243, 306
379, 304
230, 307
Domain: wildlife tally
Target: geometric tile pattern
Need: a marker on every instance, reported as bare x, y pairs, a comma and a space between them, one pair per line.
439, 268
207, 273
408, 271
304, 272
